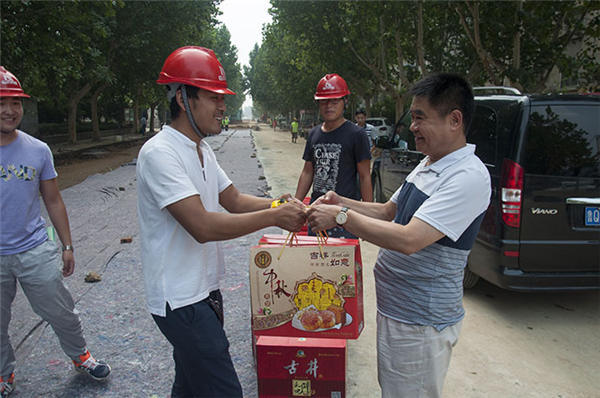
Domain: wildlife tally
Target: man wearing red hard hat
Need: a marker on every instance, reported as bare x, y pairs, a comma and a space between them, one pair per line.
180, 188
27, 254
336, 152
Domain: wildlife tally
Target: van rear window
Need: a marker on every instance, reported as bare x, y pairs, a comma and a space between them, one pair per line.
563, 140
493, 130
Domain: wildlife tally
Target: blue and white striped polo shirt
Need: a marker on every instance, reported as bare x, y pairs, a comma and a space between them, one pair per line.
451, 195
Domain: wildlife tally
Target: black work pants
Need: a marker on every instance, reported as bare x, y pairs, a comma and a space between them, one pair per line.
203, 366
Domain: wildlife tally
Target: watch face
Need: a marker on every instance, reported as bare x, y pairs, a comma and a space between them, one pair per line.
341, 217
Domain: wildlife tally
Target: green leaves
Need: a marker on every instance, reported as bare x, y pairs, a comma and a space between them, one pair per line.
382, 47
57, 48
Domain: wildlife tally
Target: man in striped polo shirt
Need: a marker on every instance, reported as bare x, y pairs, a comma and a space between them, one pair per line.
436, 215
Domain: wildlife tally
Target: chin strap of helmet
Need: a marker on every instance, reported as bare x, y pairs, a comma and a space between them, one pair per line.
188, 112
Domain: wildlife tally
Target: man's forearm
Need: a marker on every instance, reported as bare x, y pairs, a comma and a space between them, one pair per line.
248, 203
370, 209
225, 226
366, 190
304, 184
60, 221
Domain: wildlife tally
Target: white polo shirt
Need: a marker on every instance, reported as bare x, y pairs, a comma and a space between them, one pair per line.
178, 270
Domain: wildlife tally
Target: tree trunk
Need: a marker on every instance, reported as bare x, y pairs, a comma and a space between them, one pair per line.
72, 119
488, 63
403, 78
382, 65
152, 109
516, 61
420, 47
136, 116
136, 111
400, 99
95, 119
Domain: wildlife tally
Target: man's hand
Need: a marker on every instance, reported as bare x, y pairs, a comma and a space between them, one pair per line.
322, 216
291, 216
289, 198
68, 263
330, 198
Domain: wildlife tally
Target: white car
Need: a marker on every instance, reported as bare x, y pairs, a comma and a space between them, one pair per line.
381, 126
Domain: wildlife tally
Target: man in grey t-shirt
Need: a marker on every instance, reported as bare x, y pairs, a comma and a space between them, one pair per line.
26, 254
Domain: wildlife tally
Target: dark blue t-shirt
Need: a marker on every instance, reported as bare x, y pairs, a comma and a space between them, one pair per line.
334, 156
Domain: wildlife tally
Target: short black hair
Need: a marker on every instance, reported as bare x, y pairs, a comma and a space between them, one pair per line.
446, 92
360, 111
192, 92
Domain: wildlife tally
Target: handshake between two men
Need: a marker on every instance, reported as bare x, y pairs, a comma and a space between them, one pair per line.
321, 215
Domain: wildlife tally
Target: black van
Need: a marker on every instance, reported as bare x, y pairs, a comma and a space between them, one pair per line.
542, 228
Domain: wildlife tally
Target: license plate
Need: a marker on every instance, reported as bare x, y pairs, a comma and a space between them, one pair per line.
592, 216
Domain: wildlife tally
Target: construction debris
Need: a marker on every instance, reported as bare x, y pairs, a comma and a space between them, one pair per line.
92, 277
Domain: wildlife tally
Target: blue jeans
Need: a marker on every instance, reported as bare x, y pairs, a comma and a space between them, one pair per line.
203, 366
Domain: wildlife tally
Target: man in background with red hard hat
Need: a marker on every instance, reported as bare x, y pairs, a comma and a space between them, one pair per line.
180, 187
336, 151
26, 252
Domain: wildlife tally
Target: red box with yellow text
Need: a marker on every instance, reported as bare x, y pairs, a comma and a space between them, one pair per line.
301, 367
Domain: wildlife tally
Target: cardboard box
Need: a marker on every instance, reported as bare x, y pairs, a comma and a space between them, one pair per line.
306, 290
301, 367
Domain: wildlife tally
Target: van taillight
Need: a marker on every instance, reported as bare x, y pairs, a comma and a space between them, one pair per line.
512, 185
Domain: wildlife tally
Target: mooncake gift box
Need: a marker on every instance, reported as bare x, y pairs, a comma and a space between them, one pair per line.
301, 367
309, 289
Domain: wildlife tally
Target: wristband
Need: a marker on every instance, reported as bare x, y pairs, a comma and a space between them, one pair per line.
277, 202
67, 247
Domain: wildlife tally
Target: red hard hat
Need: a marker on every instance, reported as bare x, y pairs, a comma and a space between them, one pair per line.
9, 85
195, 66
331, 86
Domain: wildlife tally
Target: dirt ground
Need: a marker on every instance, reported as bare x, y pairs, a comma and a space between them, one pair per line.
74, 170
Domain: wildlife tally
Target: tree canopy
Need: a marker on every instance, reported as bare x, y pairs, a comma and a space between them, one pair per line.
107, 52
382, 47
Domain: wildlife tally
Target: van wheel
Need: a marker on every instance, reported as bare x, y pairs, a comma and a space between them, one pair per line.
470, 278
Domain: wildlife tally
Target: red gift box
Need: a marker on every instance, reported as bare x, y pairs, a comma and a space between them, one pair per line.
301, 367
306, 290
